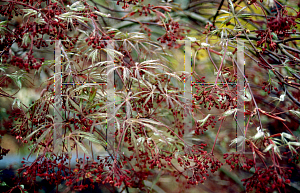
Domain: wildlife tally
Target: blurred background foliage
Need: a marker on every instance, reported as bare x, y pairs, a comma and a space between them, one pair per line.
194, 15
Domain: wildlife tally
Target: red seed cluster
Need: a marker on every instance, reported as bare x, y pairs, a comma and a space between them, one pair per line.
200, 128
238, 161
3, 152
126, 3
173, 33
268, 179
209, 97
267, 87
281, 25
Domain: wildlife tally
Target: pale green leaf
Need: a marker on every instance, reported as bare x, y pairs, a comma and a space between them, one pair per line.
297, 113
229, 112
202, 121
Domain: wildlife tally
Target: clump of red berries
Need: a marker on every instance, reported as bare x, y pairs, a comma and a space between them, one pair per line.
268, 179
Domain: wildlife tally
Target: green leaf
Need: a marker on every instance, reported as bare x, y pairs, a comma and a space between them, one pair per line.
16, 78
2, 68
74, 104
244, 15
3, 23
226, 20
275, 37
35, 145
155, 180
193, 15
241, 10
93, 139
231, 7
3, 184
223, 11
34, 132
92, 95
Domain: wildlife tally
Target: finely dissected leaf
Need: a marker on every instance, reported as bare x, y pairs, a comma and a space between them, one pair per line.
154, 129
3, 23
102, 14
34, 132
93, 55
77, 6
126, 74
193, 39
289, 69
25, 39
81, 146
74, 104
111, 52
268, 147
152, 122
229, 112
241, 10
202, 121
286, 135
277, 151
97, 115
297, 113
86, 85
16, 100
295, 143
259, 134
16, 78
40, 21
247, 96
244, 15
275, 37
231, 7
148, 98
140, 140
36, 143
223, 11
93, 140
92, 95
226, 20
239, 139
29, 12
155, 180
